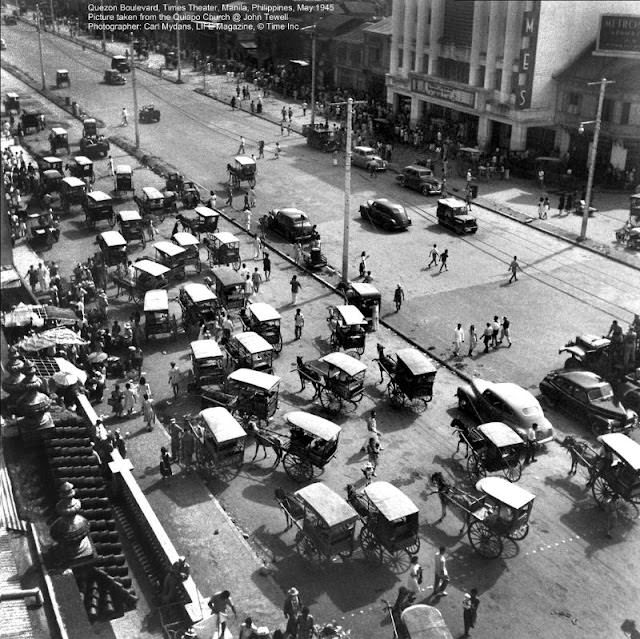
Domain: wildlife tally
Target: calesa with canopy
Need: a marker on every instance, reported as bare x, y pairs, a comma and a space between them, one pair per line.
422, 622
494, 447
113, 247
220, 442
172, 256
191, 246
157, 320
207, 360
250, 350
618, 473
347, 329
256, 393
263, 319
132, 226
198, 303
149, 275
223, 249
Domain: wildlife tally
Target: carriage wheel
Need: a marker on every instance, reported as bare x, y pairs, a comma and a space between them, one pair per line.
331, 402
484, 541
420, 405
346, 554
513, 470
396, 396
602, 491
277, 347
475, 467
298, 469
397, 561
369, 544
520, 533
306, 547
414, 548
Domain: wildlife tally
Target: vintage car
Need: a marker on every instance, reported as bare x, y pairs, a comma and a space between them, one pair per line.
94, 146
504, 402
452, 213
111, 76
590, 398
322, 139
293, 224
421, 179
367, 158
385, 213
120, 63
149, 113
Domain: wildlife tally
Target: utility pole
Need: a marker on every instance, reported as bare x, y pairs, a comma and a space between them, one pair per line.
104, 32
134, 115
312, 28
39, 27
594, 151
53, 17
179, 53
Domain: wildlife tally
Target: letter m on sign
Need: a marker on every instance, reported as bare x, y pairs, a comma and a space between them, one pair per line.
528, 24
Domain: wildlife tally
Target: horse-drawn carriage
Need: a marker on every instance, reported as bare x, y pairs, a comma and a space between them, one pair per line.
264, 320
191, 246
422, 622
123, 178
491, 447
198, 304
223, 248
98, 206
72, 191
157, 320
243, 169
131, 226
153, 202
347, 329
149, 275
172, 256
207, 361
229, 287
411, 377
364, 297
617, 470
219, 442
336, 378
113, 247
250, 350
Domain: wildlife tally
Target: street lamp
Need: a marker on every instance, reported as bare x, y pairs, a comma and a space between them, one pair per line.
594, 150
313, 71
39, 27
179, 54
135, 97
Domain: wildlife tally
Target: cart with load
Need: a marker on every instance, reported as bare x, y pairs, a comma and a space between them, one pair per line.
325, 523
207, 362
191, 246
157, 320
229, 287
219, 442
263, 319
223, 248
113, 247
243, 169
98, 206
347, 329
198, 303
250, 350
72, 191
172, 256
411, 377
132, 226
123, 178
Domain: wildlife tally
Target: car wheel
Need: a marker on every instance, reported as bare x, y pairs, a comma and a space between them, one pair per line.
463, 403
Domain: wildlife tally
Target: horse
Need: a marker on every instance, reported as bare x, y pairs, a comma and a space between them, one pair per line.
581, 455
463, 431
266, 440
447, 493
385, 363
290, 506
307, 373
358, 501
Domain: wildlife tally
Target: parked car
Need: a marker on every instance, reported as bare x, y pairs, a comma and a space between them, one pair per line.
590, 398
149, 113
111, 76
120, 63
421, 179
385, 213
293, 224
367, 157
452, 213
504, 402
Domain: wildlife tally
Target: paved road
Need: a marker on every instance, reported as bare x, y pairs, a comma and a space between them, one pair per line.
566, 545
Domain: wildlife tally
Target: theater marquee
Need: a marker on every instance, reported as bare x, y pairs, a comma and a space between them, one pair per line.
619, 36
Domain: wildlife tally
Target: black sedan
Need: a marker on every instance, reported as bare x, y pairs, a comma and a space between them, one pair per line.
293, 224
589, 397
385, 213
149, 113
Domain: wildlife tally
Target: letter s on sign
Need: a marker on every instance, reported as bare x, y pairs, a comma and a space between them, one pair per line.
523, 97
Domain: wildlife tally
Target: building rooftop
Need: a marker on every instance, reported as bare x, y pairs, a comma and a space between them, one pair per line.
356, 36
382, 27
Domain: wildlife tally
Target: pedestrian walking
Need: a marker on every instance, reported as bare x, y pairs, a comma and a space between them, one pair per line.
174, 378
144, 388
165, 463
541, 178
486, 337
213, 199
256, 280
505, 332
116, 401
188, 448
153, 231
229, 200
398, 297
295, 289
111, 166
218, 604
289, 128
561, 204
130, 398
252, 198
257, 247
541, 208
298, 253
531, 443
495, 331
546, 207
148, 412
247, 289
415, 577
290, 114
473, 339
514, 267
241, 146
247, 219
373, 453
372, 431
441, 574
125, 117
292, 609
266, 266
444, 256
458, 339
362, 267
282, 127
568, 206
470, 605
305, 106
261, 150
284, 113
298, 322
175, 433
277, 151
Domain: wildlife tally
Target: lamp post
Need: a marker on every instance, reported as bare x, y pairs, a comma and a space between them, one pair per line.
39, 27
312, 28
135, 98
179, 54
104, 31
594, 151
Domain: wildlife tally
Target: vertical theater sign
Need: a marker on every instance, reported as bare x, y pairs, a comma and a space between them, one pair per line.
527, 61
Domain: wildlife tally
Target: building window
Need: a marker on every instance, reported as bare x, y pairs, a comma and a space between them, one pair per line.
481, 73
412, 66
425, 63
498, 82
572, 102
625, 112
453, 70
607, 110
400, 58
374, 56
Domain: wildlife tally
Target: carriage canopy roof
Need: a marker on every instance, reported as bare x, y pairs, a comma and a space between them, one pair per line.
150, 267
184, 239
390, 501
252, 342
71, 182
224, 237
156, 301
222, 425
113, 239
205, 211
425, 622
227, 276
168, 248
129, 216
623, 446
82, 160
499, 434
453, 202
264, 312
52, 174
198, 292
58, 130
257, 379
330, 507
365, 290
417, 363
351, 315
350, 365
244, 160
314, 425
205, 349
504, 491
152, 193
123, 169
99, 196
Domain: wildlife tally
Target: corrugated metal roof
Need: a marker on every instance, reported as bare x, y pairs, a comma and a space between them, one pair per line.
382, 27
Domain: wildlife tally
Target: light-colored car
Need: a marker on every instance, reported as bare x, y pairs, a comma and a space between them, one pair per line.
505, 402
366, 157
3, 44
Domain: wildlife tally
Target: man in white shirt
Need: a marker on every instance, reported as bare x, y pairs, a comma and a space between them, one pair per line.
458, 339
